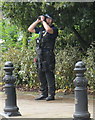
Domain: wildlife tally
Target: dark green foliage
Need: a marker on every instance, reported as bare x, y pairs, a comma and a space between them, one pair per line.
74, 17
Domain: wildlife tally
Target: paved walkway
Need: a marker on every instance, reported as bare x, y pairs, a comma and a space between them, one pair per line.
62, 107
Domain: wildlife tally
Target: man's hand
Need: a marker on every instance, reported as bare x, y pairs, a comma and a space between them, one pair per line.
33, 25
38, 20
42, 18
46, 25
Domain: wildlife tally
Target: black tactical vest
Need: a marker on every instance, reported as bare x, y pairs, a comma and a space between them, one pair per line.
47, 40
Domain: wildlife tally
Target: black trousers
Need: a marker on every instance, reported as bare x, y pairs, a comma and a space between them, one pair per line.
47, 80
46, 66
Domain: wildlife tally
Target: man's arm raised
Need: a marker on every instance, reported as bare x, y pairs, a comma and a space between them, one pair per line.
33, 25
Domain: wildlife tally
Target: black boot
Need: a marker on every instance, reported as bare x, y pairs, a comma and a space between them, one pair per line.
42, 97
49, 98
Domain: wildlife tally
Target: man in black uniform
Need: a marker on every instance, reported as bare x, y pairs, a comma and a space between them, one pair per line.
45, 55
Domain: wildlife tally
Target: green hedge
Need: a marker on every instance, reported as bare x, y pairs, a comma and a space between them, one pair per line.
89, 59
65, 62
26, 73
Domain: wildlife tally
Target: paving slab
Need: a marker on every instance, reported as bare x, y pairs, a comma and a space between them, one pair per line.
62, 107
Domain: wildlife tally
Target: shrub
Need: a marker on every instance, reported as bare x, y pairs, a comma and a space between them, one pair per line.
89, 60
26, 73
65, 62
25, 70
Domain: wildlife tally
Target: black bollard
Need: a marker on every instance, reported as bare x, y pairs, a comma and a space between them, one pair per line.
81, 99
11, 108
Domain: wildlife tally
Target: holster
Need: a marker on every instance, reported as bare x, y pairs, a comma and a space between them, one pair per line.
39, 58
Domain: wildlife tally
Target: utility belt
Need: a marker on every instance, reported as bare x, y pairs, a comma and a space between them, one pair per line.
47, 49
42, 50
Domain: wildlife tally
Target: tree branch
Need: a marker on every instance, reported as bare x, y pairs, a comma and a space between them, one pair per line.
82, 42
